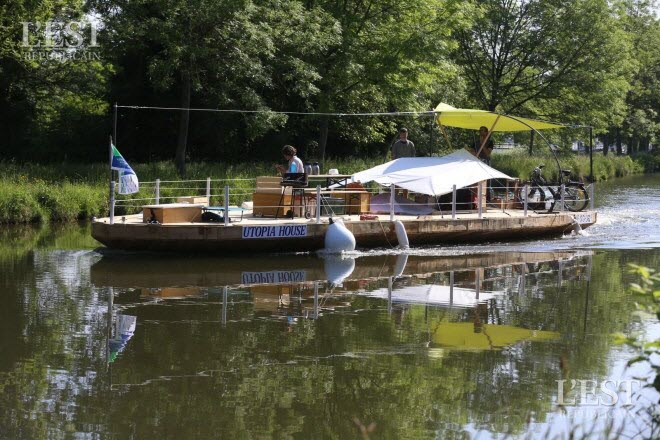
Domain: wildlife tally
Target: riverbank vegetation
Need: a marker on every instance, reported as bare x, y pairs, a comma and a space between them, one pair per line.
31, 193
305, 66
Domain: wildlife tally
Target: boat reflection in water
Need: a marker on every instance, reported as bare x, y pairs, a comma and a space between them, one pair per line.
468, 293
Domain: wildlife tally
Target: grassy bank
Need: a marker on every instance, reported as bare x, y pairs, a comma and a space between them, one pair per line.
41, 193
604, 168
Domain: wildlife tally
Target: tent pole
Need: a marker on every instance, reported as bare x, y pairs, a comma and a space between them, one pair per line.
444, 133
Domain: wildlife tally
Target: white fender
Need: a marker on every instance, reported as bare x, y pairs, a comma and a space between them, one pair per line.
401, 234
577, 228
338, 268
338, 238
400, 265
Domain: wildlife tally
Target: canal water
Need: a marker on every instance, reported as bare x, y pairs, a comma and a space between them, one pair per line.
495, 340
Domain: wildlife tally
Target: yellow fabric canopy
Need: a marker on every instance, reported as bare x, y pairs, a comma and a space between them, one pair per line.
473, 119
467, 336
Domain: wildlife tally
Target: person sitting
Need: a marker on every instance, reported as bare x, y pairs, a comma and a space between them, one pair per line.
295, 165
483, 148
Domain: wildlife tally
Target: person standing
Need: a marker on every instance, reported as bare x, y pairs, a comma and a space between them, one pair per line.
403, 147
483, 148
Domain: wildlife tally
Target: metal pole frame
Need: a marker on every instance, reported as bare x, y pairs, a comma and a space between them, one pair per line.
318, 204
591, 154
479, 201
226, 205
392, 193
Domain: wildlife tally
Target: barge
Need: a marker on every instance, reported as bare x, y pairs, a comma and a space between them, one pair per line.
457, 204
253, 234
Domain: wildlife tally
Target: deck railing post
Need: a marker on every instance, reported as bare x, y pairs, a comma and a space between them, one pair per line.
479, 201
453, 202
226, 205
392, 193
112, 202
157, 191
225, 297
390, 283
561, 197
318, 204
526, 199
592, 191
208, 191
316, 299
451, 288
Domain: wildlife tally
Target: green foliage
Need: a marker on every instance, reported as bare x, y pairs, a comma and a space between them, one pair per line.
648, 290
520, 165
563, 60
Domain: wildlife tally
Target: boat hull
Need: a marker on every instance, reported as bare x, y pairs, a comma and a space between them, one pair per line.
254, 235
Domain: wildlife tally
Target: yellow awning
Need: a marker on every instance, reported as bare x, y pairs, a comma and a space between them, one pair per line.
468, 336
473, 119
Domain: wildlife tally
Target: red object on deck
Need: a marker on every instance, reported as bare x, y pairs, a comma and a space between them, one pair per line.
368, 217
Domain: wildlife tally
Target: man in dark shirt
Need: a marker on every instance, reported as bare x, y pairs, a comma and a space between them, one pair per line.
484, 152
403, 147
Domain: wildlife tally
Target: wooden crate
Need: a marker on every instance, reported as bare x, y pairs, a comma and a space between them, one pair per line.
194, 200
266, 204
172, 213
355, 202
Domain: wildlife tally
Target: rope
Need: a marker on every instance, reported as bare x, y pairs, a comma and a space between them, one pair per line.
217, 110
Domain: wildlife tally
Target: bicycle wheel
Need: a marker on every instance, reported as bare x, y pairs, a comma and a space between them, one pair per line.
576, 197
535, 197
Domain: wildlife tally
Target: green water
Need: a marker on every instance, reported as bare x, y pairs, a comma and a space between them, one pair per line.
458, 342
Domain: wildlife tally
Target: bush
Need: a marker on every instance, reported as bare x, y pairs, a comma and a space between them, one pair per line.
18, 205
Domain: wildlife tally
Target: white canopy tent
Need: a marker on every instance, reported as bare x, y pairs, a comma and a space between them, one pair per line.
433, 176
437, 295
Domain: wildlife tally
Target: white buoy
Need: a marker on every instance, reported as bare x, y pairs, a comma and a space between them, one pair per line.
400, 265
401, 234
577, 228
338, 268
338, 238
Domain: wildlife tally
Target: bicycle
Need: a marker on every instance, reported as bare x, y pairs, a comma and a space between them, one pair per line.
542, 195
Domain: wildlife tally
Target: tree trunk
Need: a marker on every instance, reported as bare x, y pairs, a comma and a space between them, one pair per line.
184, 119
619, 147
531, 142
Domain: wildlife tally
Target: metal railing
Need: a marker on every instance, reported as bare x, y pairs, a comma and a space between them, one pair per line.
479, 199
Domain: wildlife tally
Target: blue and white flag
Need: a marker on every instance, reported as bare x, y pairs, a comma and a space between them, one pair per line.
128, 181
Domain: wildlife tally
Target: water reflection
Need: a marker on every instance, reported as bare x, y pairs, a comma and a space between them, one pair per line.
297, 345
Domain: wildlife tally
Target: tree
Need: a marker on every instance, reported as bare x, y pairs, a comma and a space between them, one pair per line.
51, 93
392, 55
227, 55
558, 59
642, 121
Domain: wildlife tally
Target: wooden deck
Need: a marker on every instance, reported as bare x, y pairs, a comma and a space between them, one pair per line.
288, 235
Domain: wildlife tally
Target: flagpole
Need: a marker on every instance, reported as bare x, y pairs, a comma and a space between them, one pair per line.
112, 188
114, 126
